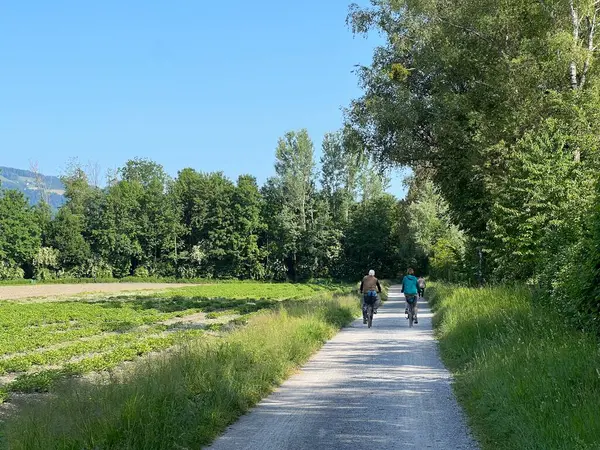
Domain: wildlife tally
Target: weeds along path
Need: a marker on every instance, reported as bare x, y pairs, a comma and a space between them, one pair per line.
50, 291
383, 388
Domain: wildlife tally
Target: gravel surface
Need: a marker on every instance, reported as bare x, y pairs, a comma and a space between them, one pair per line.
58, 290
378, 388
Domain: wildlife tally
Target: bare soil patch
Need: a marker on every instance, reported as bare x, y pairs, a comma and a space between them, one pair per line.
62, 290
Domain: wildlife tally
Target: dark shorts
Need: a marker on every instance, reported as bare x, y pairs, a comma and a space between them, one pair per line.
370, 299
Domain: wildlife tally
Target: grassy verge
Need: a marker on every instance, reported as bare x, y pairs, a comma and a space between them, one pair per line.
526, 380
186, 398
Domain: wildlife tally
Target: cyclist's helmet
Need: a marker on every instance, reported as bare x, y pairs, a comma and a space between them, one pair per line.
372, 272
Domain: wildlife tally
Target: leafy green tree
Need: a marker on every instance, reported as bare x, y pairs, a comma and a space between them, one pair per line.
247, 227
295, 169
369, 238
154, 213
338, 176
43, 216
116, 230
540, 202
221, 223
295, 186
459, 88
67, 232
67, 237
20, 234
280, 234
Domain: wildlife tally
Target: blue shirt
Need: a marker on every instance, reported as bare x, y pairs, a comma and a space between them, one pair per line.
409, 285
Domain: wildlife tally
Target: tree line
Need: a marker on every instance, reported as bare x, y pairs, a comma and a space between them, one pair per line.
327, 220
498, 103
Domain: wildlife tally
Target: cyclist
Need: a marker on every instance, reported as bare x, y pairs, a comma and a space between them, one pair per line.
369, 286
410, 291
421, 286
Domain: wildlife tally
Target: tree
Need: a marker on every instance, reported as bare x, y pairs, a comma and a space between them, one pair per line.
154, 213
457, 88
338, 176
293, 189
368, 243
67, 237
247, 227
295, 168
208, 204
20, 234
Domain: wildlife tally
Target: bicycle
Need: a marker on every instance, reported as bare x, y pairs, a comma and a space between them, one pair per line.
369, 301
411, 300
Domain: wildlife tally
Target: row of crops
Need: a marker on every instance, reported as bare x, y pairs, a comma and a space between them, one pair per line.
44, 342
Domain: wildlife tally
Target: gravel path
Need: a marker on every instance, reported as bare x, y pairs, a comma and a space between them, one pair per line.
379, 388
59, 290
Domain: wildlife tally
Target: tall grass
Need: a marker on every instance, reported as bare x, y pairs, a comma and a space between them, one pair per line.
526, 379
184, 399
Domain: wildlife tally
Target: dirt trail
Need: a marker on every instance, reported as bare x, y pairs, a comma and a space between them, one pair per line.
379, 388
63, 290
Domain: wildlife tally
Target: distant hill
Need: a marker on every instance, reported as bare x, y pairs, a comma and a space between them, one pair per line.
25, 181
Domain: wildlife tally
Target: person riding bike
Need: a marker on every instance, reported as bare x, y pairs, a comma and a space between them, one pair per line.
410, 291
369, 287
421, 286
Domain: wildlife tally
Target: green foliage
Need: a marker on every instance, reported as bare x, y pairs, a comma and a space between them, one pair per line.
525, 377
67, 237
141, 272
368, 239
541, 199
10, 271
202, 225
498, 104
20, 234
46, 263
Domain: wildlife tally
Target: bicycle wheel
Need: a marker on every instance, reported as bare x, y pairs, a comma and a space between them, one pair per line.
411, 315
369, 315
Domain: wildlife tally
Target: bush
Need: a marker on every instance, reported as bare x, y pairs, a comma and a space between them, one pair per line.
571, 276
10, 271
46, 263
93, 268
141, 272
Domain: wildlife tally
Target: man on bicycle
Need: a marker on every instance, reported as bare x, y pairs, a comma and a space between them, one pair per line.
421, 286
410, 291
369, 287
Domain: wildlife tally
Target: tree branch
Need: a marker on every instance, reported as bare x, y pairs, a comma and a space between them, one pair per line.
475, 33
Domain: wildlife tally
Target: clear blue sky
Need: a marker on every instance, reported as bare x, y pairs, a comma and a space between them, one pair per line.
208, 85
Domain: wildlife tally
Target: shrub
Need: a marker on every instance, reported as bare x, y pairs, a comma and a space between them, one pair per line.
10, 271
141, 272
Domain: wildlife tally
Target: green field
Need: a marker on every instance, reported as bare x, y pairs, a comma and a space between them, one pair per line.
42, 342
177, 399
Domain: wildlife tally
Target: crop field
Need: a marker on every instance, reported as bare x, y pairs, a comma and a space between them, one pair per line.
43, 342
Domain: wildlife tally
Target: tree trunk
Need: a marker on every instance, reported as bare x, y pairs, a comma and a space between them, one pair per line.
575, 22
590, 48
